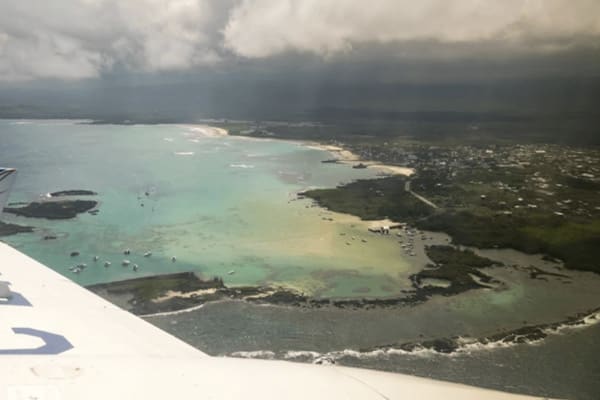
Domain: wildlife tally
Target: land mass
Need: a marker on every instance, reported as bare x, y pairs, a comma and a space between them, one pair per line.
536, 199
63, 209
73, 193
7, 229
484, 189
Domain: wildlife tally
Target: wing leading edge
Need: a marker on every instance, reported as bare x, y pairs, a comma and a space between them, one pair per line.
7, 177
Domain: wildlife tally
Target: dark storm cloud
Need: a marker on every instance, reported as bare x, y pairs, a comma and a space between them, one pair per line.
70, 39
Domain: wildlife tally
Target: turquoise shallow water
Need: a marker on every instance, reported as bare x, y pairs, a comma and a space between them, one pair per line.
223, 206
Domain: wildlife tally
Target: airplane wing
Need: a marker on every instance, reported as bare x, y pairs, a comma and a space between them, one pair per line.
60, 341
7, 177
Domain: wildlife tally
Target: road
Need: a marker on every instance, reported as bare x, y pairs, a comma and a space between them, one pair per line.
418, 196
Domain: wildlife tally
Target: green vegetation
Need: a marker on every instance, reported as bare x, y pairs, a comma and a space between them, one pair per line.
149, 288
372, 199
63, 193
534, 209
450, 256
64, 209
578, 244
11, 229
459, 267
143, 293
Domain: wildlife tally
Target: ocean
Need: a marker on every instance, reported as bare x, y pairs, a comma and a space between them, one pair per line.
227, 206
223, 206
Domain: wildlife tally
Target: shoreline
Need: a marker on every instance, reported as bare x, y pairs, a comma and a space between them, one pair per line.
450, 272
347, 157
527, 334
202, 130
343, 156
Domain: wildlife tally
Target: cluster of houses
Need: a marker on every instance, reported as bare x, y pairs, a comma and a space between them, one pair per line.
543, 173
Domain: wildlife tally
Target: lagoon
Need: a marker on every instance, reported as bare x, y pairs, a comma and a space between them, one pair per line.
223, 206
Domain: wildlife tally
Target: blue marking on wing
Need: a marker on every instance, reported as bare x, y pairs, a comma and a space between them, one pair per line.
16, 299
53, 343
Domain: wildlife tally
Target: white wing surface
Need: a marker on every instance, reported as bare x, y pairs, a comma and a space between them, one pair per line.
60, 341
7, 177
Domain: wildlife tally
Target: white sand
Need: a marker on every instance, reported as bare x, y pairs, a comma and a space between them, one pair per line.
171, 294
194, 131
347, 157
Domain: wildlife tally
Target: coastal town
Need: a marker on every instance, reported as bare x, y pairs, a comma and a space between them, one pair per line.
537, 198
533, 176
507, 176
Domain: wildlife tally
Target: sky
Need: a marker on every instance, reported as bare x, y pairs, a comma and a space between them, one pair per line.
296, 47
78, 39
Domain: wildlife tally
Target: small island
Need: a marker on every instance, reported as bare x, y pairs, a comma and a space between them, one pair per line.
360, 166
7, 229
64, 209
453, 271
64, 193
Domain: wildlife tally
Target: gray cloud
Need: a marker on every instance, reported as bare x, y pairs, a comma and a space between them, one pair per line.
259, 28
78, 39
74, 39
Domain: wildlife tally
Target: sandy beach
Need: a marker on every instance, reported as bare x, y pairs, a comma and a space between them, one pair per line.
194, 131
347, 157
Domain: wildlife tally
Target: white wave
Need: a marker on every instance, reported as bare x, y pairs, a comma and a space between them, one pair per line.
469, 345
586, 321
476, 346
333, 356
381, 353
169, 313
168, 139
241, 166
292, 354
51, 122
184, 153
254, 354
204, 131
466, 345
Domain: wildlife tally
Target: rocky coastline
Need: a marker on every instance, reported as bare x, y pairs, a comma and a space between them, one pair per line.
176, 292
